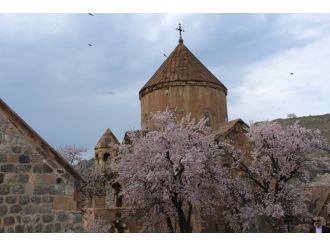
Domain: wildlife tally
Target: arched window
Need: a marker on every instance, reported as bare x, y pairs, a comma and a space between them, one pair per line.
97, 163
118, 199
207, 118
107, 163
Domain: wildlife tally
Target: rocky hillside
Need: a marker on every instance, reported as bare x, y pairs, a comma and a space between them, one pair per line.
321, 122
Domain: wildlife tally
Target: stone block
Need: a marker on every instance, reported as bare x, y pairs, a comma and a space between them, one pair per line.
10, 178
1, 199
41, 189
42, 178
17, 189
19, 228
42, 168
77, 218
49, 228
63, 203
23, 200
3, 158
56, 189
37, 218
47, 218
61, 217
35, 199
58, 227
10, 229
69, 190
37, 157
23, 158
9, 220
16, 149
26, 219
45, 208
100, 202
60, 171
67, 176
29, 228
3, 210
30, 209
11, 199
20, 168
15, 209
23, 178
38, 228
47, 199
19, 219
12, 158
4, 189
2, 177
7, 168
7, 138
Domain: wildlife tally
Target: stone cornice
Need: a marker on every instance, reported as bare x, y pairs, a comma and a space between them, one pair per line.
168, 84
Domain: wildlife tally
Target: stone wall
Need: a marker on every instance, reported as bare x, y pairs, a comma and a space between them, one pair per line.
184, 99
36, 193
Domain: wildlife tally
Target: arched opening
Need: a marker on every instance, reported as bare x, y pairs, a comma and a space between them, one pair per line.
118, 199
97, 167
207, 117
107, 163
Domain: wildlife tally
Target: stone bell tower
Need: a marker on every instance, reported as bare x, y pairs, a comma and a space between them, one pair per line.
183, 84
105, 152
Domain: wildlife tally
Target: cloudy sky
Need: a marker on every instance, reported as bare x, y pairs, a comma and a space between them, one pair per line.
70, 92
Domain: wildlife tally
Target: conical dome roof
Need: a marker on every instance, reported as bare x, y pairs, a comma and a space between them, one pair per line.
181, 66
107, 139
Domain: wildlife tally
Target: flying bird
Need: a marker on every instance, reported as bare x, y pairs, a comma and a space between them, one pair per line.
165, 55
90, 14
291, 73
90, 44
110, 92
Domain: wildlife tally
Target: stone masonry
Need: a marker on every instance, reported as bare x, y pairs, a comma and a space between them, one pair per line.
38, 190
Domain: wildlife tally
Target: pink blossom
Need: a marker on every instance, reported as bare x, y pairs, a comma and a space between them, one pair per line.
171, 172
272, 182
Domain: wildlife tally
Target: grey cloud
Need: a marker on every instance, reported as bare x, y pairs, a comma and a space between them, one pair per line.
60, 85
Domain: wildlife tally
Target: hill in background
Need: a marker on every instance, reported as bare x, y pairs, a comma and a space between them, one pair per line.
321, 122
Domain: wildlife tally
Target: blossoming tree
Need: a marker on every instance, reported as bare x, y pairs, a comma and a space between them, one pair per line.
171, 174
72, 153
271, 184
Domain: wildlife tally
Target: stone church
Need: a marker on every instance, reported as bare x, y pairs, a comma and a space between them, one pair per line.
40, 191
184, 85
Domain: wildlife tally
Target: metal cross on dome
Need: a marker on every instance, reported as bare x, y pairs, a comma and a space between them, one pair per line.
180, 30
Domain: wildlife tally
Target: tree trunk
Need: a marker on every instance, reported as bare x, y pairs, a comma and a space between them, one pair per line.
184, 225
184, 222
169, 224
